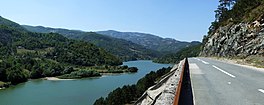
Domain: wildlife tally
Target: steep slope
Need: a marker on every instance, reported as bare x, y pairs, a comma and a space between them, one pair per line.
26, 55
9, 23
153, 42
126, 50
242, 39
60, 48
240, 34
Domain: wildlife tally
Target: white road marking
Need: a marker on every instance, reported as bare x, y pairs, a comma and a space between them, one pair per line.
224, 71
204, 62
196, 58
229, 83
195, 69
194, 103
261, 90
201, 60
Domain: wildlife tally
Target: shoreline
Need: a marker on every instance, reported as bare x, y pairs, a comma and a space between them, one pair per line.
2, 88
55, 79
102, 75
109, 74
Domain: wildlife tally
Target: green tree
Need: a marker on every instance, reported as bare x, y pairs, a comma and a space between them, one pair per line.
37, 72
129, 93
132, 69
100, 101
17, 75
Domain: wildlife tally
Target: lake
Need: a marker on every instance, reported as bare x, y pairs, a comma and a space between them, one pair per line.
73, 92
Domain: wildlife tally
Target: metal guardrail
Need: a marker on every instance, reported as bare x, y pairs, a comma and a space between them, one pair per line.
160, 82
181, 90
184, 93
178, 89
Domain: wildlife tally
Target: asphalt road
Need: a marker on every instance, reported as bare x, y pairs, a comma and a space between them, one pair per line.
220, 83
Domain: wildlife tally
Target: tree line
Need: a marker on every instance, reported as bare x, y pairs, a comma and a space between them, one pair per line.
191, 51
236, 11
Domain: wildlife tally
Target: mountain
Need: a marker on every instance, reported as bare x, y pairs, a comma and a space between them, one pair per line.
164, 45
126, 50
25, 54
9, 23
174, 58
238, 33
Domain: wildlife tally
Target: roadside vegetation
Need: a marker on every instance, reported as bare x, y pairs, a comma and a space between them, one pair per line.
129, 93
236, 11
253, 60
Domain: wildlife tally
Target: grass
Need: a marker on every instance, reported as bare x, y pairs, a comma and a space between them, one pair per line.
253, 60
254, 14
39, 51
105, 69
1, 83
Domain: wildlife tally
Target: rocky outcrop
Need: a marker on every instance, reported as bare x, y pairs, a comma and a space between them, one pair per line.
242, 40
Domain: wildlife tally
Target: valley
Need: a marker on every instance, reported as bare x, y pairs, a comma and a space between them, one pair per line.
131, 52
69, 92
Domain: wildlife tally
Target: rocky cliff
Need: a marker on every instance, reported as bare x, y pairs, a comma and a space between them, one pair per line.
236, 40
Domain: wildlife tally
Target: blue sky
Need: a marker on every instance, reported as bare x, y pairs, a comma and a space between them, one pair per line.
184, 20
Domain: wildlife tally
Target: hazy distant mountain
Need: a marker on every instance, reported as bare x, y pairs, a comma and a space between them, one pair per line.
150, 41
126, 50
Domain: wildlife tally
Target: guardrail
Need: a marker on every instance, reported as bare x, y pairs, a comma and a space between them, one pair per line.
184, 95
161, 82
178, 89
174, 88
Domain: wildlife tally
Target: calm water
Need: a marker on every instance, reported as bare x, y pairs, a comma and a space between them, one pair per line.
73, 92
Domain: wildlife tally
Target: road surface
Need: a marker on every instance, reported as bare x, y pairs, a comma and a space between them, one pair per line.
220, 83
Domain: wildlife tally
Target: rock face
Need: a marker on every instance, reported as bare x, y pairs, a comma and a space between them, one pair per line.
242, 40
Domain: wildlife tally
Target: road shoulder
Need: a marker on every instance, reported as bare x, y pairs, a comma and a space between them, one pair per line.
237, 62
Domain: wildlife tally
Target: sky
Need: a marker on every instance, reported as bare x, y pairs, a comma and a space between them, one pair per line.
184, 20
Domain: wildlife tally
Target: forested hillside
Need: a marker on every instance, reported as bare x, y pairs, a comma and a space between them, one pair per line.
9, 23
163, 45
191, 51
27, 55
126, 50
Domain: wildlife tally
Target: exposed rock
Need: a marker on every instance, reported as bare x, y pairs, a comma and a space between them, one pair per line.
243, 39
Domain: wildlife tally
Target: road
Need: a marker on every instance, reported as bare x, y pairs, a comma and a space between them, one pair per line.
220, 83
